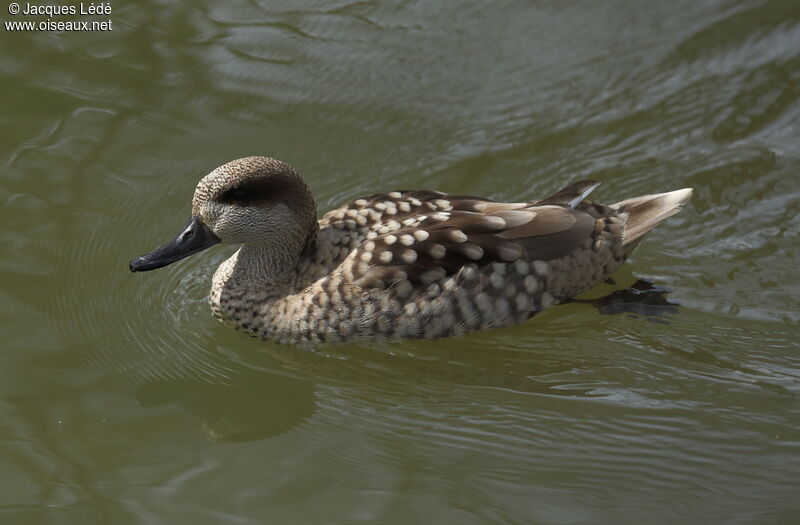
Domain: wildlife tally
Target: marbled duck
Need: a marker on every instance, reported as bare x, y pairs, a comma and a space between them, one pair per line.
403, 264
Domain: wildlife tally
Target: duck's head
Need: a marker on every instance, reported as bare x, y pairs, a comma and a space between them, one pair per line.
252, 201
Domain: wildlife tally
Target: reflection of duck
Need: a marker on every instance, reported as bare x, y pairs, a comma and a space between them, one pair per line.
398, 264
252, 405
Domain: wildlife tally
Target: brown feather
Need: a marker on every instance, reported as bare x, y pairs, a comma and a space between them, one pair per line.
567, 196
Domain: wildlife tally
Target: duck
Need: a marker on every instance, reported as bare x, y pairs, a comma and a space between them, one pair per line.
404, 264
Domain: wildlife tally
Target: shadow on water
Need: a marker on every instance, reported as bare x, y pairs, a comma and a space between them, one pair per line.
642, 298
252, 405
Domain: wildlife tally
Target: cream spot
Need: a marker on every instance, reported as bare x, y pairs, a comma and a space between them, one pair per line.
531, 284
406, 239
523, 303
502, 307
395, 194
516, 218
385, 257
394, 225
361, 220
441, 216
465, 306
364, 211
458, 236
360, 202
541, 267
509, 252
433, 275
469, 272
437, 251
415, 202
403, 288
404, 206
391, 209
421, 235
495, 222
372, 234
366, 256
369, 245
546, 300
390, 239
483, 302
473, 251
351, 213
441, 203
379, 206
521, 266
409, 256
411, 309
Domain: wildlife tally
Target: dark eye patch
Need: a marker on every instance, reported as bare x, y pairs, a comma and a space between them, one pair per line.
257, 191
236, 194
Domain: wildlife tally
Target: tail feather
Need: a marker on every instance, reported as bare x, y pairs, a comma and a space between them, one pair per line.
646, 212
572, 195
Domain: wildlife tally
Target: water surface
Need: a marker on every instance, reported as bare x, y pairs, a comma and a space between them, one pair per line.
123, 401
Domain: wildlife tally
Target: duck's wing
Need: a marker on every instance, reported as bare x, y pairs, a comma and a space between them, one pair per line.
571, 195
443, 242
376, 211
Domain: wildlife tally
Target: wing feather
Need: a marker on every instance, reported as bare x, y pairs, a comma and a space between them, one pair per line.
443, 242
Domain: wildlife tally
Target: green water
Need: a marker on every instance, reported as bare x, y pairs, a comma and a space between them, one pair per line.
123, 401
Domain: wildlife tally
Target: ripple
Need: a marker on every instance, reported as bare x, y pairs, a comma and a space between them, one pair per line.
111, 312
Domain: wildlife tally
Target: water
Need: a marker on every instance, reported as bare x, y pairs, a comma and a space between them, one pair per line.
123, 401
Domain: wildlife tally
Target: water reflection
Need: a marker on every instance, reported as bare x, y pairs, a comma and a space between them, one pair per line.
251, 405
641, 298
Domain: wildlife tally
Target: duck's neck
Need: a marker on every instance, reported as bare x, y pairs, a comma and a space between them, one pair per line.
264, 266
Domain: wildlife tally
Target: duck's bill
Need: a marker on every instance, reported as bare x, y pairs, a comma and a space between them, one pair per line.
194, 238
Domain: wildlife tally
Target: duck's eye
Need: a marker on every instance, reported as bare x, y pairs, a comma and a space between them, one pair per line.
237, 194
249, 193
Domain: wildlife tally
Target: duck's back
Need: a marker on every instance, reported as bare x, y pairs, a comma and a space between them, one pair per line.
427, 264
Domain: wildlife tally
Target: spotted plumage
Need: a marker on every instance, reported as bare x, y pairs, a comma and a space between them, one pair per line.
402, 264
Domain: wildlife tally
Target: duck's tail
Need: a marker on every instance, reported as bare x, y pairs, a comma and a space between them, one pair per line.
646, 212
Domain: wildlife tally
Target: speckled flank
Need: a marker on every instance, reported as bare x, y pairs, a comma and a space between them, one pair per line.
409, 264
